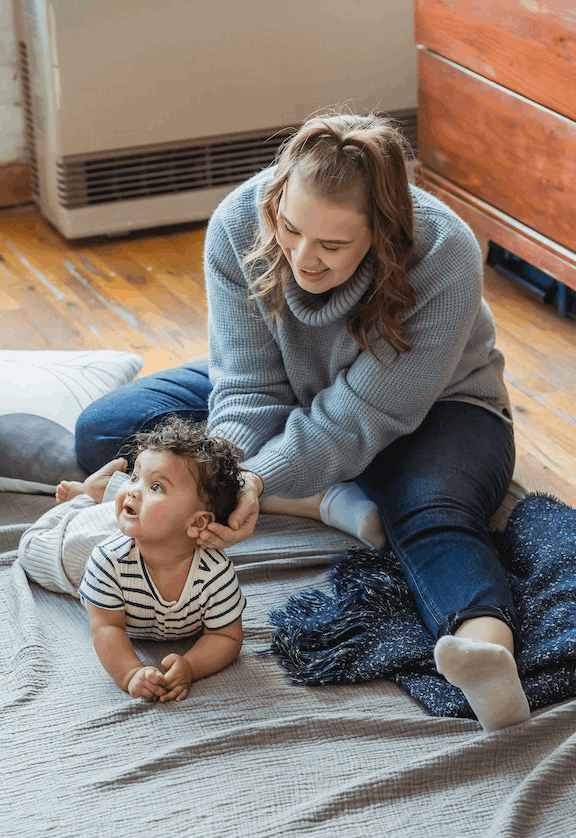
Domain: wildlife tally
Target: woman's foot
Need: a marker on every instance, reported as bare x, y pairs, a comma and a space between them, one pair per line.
346, 507
343, 506
487, 675
94, 485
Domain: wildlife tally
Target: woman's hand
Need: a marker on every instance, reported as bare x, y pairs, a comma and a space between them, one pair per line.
241, 522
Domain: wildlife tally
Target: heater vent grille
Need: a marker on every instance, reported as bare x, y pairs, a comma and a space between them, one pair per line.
408, 123
163, 170
29, 121
153, 171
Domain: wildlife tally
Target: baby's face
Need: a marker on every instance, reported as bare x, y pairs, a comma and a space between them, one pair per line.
160, 501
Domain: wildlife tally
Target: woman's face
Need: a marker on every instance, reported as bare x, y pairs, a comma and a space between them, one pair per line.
324, 242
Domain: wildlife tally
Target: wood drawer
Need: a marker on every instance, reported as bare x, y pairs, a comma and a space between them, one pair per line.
510, 152
510, 234
524, 45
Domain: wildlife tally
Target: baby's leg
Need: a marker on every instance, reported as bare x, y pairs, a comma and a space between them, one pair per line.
305, 507
94, 485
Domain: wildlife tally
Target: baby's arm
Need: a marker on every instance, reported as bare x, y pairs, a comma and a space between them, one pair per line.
213, 651
117, 656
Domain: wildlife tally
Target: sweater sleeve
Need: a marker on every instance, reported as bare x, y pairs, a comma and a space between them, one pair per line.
251, 396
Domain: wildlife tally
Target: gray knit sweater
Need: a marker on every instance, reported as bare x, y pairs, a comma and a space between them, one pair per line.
307, 406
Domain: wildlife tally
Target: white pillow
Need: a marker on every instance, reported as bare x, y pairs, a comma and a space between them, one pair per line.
42, 393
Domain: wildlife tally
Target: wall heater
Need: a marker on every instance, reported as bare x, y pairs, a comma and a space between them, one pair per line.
140, 114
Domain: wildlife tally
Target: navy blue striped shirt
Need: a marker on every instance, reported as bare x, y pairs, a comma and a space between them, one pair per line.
116, 577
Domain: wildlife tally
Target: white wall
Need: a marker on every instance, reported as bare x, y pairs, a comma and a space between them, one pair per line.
11, 124
12, 144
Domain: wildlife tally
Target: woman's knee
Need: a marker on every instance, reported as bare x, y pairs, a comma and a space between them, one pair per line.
100, 431
104, 426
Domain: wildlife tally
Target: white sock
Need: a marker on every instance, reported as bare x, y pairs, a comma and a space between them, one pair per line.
487, 675
346, 507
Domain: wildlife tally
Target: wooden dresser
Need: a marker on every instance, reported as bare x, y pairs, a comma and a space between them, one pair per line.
497, 121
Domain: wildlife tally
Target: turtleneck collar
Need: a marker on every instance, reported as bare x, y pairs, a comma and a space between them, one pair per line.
323, 309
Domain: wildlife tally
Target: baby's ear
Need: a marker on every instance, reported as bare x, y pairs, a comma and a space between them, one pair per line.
200, 522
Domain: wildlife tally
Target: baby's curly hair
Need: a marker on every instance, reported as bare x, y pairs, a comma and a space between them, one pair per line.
220, 477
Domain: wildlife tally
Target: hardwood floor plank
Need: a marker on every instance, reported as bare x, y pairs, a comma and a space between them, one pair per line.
538, 477
540, 349
7, 301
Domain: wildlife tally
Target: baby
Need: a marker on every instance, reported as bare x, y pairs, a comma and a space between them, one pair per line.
149, 579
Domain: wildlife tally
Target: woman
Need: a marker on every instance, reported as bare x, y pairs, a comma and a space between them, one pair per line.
349, 341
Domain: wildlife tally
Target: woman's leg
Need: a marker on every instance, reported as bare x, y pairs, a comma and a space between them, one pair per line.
436, 489
103, 428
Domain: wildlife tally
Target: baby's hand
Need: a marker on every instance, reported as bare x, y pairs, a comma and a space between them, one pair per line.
177, 677
147, 682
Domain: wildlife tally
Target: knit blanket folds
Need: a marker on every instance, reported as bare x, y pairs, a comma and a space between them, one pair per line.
368, 627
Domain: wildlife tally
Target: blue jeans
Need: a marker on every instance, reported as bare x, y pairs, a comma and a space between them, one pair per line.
435, 489
104, 426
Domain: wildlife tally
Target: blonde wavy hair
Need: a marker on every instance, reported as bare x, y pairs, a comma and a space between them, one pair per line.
337, 154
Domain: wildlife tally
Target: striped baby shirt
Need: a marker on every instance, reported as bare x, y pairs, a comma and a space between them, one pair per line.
116, 577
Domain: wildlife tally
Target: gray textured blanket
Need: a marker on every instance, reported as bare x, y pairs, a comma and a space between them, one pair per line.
248, 755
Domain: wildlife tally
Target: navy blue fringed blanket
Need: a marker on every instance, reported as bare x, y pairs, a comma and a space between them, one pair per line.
369, 627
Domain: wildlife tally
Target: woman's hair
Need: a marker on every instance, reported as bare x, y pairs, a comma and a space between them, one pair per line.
219, 475
337, 155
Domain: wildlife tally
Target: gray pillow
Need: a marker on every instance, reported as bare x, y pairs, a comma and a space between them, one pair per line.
36, 450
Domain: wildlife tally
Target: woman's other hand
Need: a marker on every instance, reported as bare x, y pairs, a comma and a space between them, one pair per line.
241, 522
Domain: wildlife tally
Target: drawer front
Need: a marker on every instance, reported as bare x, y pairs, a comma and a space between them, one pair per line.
515, 155
524, 45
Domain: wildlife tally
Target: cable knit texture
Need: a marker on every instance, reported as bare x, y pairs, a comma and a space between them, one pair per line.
308, 407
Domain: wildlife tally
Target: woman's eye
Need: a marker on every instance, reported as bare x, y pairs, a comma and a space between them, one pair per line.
296, 233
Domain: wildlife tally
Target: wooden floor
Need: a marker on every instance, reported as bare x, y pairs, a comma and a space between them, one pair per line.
144, 293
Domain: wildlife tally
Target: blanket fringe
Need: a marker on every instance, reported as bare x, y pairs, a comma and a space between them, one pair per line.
368, 626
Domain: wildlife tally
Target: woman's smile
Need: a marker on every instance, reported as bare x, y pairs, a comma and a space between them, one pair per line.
312, 274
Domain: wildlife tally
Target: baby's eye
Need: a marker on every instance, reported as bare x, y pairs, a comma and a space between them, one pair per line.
133, 477
156, 487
